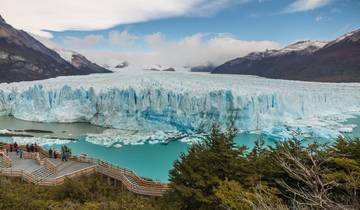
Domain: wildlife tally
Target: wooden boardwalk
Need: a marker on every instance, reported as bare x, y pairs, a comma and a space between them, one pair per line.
38, 168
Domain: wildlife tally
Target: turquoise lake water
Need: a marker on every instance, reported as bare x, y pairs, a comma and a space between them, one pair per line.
148, 160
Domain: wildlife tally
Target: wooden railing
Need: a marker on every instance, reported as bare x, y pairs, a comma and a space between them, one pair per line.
132, 182
43, 152
5, 159
61, 179
19, 173
25, 175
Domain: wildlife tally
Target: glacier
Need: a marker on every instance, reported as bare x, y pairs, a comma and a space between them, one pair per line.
185, 103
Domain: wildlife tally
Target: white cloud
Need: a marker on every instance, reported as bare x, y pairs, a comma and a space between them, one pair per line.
335, 10
305, 5
85, 42
121, 38
197, 49
213, 6
59, 15
322, 18
319, 18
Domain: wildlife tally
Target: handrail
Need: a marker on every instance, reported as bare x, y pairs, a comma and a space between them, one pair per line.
6, 159
110, 165
137, 185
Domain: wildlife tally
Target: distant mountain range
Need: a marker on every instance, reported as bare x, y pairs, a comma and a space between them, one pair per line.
203, 68
24, 58
335, 61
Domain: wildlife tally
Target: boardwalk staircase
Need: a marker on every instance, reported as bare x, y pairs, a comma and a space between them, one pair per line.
47, 171
42, 174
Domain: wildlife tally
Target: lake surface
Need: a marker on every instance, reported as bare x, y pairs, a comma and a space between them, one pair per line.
148, 160
60, 130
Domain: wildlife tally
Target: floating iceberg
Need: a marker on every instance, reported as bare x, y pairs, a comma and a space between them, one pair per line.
41, 141
183, 102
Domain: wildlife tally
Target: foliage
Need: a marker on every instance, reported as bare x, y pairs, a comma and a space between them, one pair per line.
196, 175
217, 174
233, 196
86, 193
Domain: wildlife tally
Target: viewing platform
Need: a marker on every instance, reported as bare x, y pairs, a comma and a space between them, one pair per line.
39, 168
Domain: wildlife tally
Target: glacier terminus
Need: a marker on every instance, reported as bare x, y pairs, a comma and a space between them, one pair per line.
163, 105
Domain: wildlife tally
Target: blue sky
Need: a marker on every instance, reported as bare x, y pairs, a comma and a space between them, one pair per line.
155, 31
251, 21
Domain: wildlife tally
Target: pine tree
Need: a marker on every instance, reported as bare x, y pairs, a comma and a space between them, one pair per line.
196, 175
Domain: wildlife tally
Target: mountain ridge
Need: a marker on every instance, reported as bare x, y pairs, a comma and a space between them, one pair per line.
334, 61
23, 58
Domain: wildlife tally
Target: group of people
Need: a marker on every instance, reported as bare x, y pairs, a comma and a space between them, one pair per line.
32, 148
19, 152
65, 153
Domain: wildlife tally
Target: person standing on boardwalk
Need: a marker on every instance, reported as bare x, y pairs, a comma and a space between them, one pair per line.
50, 153
68, 152
27, 148
32, 148
21, 153
15, 146
63, 153
36, 147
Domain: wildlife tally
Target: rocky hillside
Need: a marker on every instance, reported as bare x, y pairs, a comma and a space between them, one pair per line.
335, 61
24, 58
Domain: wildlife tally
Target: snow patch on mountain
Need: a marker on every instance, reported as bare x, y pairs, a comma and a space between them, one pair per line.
66, 54
302, 47
308, 46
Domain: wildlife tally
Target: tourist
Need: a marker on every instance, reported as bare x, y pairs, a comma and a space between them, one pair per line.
36, 147
68, 152
21, 153
32, 148
15, 146
50, 153
11, 147
27, 148
55, 154
63, 153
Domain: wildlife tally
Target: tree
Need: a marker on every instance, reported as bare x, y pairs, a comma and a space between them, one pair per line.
312, 180
196, 175
233, 196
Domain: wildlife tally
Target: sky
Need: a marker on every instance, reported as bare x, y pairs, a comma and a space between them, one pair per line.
179, 32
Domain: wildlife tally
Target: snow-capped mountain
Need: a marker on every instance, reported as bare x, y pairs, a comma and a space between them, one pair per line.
79, 61
307, 46
203, 68
158, 67
122, 65
335, 61
22, 57
301, 48
353, 36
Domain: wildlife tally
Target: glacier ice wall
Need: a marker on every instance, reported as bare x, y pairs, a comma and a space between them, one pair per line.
185, 102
